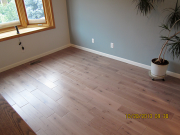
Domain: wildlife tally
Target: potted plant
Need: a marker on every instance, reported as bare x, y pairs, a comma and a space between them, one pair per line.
159, 65
145, 6
172, 41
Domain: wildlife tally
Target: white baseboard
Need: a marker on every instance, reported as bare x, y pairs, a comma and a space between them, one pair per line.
89, 50
124, 60
33, 58
173, 74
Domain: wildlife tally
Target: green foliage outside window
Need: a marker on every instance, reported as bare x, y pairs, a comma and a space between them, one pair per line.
34, 9
8, 11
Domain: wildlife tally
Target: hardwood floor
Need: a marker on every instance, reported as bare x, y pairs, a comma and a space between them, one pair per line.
10, 122
74, 92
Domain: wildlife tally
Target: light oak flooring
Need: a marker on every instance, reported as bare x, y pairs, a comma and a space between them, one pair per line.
9, 119
74, 92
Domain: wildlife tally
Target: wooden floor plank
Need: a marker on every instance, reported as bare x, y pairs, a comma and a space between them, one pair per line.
133, 124
161, 125
149, 131
41, 107
41, 132
80, 125
10, 122
31, 110
9, 100
55, 96
72, 103
125, 130
50, 126
17, 98
104, 123
46, 82
70, 91
31, 122
176, 119
77, 92
62, 125
58, 109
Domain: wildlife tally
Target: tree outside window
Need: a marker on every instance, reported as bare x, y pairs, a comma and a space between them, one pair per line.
8, 11
34, 9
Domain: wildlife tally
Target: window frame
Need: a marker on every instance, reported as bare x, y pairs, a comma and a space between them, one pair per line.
10, 24
25, 27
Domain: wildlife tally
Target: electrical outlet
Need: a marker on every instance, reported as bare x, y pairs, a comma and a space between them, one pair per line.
112, 45
93, 40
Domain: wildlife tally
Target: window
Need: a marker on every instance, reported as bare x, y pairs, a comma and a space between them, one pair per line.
29, 15
8, 14
35, 11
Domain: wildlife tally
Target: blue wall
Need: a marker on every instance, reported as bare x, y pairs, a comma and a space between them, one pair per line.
136, 37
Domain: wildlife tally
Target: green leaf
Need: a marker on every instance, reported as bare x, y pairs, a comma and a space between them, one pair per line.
174, 15
165, 27
145, 6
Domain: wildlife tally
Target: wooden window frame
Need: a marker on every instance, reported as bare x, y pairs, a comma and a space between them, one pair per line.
25, 28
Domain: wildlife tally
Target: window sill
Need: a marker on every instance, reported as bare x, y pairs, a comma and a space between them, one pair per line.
23, 32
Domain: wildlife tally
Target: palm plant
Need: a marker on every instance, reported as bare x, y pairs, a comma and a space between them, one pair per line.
173, 16
171, 41
172, 22
145, 6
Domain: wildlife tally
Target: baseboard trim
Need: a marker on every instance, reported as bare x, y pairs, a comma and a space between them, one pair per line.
89, 50
123, 60
33, 58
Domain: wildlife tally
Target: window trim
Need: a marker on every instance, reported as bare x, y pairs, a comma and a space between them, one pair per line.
24, 26
22, 12
10, 24
36, 21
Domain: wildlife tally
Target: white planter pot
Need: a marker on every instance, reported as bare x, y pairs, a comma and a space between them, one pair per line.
158, 70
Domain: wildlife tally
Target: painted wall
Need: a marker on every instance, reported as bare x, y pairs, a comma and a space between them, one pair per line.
136, 37
36, 44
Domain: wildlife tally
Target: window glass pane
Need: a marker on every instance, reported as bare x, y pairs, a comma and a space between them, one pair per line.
8, 11
34, 9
